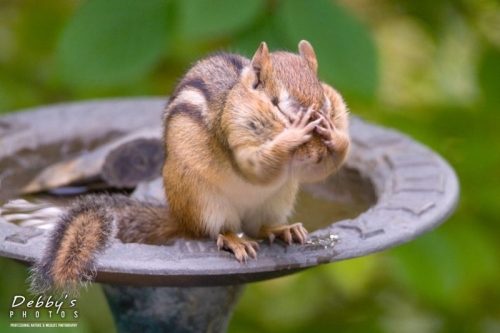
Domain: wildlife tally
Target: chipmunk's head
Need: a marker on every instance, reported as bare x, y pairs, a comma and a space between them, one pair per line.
286, 83
285, 77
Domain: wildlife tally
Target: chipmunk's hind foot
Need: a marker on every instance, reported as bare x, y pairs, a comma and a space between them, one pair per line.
241, 247
288, 233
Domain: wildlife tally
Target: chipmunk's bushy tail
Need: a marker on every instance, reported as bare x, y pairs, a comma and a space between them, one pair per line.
87, 228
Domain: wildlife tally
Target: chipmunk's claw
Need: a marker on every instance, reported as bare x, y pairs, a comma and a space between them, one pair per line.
241, 247
288, 233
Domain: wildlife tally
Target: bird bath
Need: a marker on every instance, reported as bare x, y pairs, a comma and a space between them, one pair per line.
391, 190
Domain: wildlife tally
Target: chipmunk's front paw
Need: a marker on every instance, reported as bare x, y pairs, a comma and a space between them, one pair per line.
241, 247
289, 233
300, 128
331, 137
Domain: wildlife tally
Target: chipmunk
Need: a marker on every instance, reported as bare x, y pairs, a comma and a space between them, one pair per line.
240, 136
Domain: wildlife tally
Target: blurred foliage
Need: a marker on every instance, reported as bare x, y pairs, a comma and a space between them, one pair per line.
102, 46
429, 68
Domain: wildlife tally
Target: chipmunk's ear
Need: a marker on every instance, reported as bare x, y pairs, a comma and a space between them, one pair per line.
261, 59
307, 52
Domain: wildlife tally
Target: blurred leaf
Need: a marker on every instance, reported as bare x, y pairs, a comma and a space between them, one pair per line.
113, 42
99, 318
479, 267
17, 93
433, 13
430, 266
32, 25
344, 48
353, 277
5, 102
289, 303
207, 19
267, 32
489, 76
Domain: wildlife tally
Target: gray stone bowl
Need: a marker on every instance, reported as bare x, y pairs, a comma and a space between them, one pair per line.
415, 191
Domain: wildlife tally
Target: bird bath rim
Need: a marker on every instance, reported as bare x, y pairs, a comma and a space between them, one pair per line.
416, 191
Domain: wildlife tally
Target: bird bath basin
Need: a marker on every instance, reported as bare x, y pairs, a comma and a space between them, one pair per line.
391, 190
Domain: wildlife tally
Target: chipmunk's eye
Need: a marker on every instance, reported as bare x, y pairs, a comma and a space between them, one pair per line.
275, 101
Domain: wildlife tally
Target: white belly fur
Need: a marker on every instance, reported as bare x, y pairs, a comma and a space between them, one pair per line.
228, 205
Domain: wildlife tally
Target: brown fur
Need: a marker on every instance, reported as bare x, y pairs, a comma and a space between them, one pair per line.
240, 135
76, 249
87, 228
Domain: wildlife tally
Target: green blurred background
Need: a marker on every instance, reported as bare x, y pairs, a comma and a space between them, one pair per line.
430, 68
